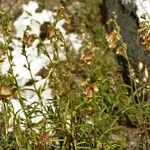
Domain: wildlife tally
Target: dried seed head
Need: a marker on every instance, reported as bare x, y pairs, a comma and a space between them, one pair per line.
146, 73
137, 81
144, 79
132, 73
140, 66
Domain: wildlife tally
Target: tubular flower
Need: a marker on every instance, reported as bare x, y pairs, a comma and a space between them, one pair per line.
89, 90
5, 92
87, 57
28, 39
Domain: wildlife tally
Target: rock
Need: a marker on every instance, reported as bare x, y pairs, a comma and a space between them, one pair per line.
128, 22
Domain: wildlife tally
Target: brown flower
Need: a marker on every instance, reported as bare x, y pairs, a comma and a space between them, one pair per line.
112, 39
89, 90
120, 51
67, 16
87, 57
28, 39
51, 32
43, 137
5, 92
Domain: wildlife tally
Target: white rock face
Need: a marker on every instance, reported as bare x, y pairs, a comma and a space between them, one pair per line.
142, 6
143, 9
